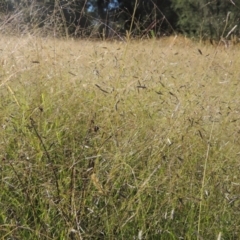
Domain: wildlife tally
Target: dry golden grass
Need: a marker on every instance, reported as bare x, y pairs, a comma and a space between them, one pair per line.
119, 140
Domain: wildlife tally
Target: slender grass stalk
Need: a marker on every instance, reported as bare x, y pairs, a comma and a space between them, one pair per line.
203, 182
13, 94
133, 16
128, 33
48, 157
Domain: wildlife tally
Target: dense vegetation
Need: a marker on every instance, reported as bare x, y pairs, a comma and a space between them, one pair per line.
131, 139
124, 140
112, 18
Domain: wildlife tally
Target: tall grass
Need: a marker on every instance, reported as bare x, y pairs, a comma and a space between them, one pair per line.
102, 143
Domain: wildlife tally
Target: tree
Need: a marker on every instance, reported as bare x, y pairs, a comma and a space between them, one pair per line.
108, 18
206, 19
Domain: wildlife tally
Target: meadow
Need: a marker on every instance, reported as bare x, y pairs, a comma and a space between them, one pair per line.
119, 139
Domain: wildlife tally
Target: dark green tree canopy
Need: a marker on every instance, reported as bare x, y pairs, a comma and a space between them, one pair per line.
112, 18
207, 19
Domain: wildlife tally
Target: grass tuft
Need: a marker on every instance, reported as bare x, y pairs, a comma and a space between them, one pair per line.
115, 140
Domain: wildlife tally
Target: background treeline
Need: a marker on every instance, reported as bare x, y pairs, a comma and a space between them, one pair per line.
112, 18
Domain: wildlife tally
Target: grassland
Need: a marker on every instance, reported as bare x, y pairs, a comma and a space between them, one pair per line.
119, 140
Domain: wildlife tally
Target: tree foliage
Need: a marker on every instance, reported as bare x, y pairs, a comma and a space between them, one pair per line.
109, 18
207, 19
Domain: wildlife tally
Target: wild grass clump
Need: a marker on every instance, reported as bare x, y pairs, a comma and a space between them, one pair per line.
120, 140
